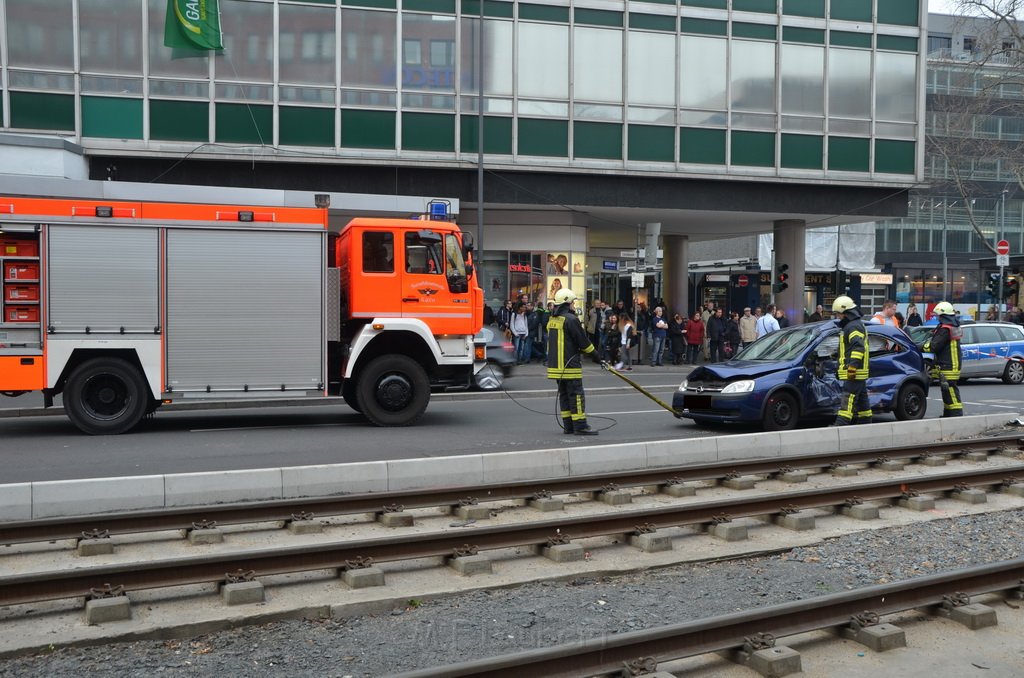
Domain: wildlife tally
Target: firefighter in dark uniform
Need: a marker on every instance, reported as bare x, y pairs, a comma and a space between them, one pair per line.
945, 346
854, 359
566, 342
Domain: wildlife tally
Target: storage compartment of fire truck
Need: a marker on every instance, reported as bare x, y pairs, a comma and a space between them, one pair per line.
20, 326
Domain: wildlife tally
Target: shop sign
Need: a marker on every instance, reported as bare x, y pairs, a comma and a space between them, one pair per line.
876, 278
610, 265
520, 268
714, 277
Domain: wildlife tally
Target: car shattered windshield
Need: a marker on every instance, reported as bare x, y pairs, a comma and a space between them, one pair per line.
782, 345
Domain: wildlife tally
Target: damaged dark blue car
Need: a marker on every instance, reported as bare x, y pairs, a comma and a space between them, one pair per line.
789, 377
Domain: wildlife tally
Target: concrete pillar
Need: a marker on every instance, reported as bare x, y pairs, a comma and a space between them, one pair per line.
789, 249
675, 266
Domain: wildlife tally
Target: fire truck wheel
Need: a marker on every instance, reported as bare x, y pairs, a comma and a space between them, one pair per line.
348, 392
393, 390
105, 396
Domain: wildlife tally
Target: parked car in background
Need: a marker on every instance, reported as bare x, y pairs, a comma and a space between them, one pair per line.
501, 360
788, 377
990, 350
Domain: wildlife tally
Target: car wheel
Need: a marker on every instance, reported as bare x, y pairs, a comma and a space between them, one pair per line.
393, 390
1014, 372
489, 378
911, 402
781, 413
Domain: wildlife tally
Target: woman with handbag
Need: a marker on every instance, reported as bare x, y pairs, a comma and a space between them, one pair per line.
677, 339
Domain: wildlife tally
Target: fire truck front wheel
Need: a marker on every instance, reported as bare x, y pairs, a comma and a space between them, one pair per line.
393, 390
105, 396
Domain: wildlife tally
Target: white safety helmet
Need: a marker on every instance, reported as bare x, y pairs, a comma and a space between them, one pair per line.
564, 296
944, 308
843, 304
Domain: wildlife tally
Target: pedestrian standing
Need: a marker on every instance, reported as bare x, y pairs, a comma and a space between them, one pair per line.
694, 337
677, 338
716, 334
731, 343
767, 323
520, 330
628, 339
748, 327
659, 332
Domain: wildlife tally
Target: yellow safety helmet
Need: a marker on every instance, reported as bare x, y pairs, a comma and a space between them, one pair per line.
843, 304
564, 296
944, 308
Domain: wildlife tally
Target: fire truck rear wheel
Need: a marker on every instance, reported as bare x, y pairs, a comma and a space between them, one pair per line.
393, 390
105, 396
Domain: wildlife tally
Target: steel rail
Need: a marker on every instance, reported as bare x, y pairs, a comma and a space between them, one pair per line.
213, 568
676, 641
288, 509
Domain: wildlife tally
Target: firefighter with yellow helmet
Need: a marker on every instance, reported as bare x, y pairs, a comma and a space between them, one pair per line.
945, 346
854, 359
566, 342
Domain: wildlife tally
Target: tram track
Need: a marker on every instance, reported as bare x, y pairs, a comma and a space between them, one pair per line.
88, 581
187, 518
641, 652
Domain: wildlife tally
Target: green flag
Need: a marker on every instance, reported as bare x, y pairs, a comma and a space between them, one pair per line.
193, 24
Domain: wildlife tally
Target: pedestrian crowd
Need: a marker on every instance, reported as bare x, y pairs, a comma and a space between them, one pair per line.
623, 336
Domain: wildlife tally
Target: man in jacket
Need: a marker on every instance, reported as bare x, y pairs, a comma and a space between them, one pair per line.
945, 346
766, 324
566, 342
854, 358
716, 334
748, 327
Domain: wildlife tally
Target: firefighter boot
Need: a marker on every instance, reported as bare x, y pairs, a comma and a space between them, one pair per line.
582, 428
566, 425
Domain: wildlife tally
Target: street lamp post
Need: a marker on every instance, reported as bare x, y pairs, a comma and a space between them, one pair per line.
1002, 272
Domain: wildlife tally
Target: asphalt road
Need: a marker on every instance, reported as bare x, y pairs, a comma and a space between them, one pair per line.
50, 448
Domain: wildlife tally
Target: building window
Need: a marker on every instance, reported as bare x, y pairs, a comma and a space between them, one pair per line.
970, 44
412, 54
938, 42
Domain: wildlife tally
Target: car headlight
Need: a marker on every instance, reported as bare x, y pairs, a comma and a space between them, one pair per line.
743, 386
682, 386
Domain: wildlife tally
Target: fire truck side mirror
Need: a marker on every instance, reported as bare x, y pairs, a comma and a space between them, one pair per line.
467, 243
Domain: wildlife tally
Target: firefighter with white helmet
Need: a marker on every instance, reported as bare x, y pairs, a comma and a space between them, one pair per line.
566, 341
854, 358
945, 346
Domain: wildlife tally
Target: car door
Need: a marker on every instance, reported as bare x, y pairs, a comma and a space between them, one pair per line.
988, 349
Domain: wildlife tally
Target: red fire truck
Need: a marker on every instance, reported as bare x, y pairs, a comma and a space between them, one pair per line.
123, 306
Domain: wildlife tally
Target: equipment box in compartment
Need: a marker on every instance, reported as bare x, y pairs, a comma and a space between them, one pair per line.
21, 314
18, 248
15, 293
16, 270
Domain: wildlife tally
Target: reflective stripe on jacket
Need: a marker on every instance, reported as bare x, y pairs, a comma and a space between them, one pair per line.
853, 350
566, 341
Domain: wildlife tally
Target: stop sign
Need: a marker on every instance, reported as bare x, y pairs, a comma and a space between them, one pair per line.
742, 281
1003, 247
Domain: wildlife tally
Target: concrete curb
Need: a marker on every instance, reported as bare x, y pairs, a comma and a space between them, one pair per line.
64, 498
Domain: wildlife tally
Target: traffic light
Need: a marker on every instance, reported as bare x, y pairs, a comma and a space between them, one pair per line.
993, 285
781, 278
1011, 288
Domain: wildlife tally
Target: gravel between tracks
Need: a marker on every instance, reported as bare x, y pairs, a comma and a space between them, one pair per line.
485, 623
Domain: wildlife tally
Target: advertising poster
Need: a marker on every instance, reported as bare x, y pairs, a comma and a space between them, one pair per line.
557, 264
555, 283
579, 264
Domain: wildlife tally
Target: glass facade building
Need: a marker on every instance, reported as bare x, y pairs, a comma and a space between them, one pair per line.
974, 125
819, 90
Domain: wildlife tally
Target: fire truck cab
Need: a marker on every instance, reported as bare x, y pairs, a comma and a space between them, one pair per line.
120, 307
